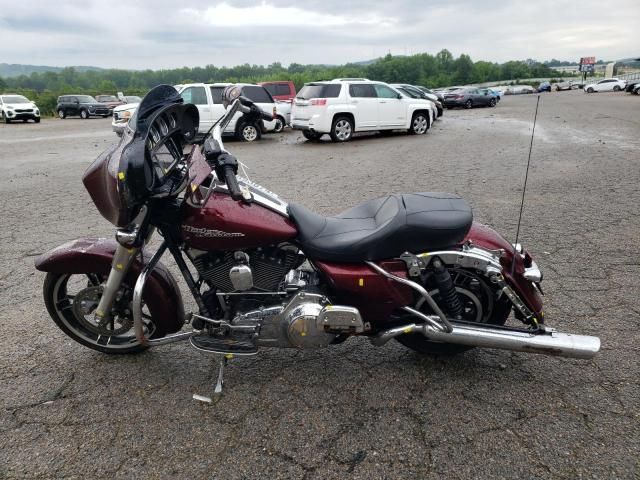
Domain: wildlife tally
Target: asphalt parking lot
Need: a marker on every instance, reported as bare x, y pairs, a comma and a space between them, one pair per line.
353, 410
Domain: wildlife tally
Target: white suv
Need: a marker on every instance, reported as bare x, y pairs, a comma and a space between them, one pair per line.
606, 85
347, 105
207, 97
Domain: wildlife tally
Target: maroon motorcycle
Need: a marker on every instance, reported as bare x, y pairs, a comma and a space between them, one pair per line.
413, 266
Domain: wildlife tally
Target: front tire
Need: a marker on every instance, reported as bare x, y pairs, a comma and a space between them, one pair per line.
468, 104
616, 88
248, 132
60, 291
342, 130
589, 90
493, 102
37, 120
419, 124
84, 114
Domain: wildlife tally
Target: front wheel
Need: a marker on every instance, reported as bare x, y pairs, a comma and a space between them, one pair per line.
37, 120
480, 304
468, 104
493, 102
84, 114
71, 300
419, 124
248, 132
616, 88
62, 114
589, 90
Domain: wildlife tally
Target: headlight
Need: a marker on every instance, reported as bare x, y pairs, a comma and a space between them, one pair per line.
126, 114
37, 112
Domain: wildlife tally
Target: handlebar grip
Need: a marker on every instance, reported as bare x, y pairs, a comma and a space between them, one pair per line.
232, 182
266, 116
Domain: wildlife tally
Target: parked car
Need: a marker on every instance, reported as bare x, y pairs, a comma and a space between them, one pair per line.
84, 106
544, 87
207, 97
606, 85
468, 98
281, 90
496, 93
122, 114
631, 86
519, 90
568, 85
636, 89
110, 101
341, 107
438, 95
414, 92
17, 107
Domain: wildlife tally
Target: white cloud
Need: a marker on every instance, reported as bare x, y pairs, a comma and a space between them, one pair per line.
268, 15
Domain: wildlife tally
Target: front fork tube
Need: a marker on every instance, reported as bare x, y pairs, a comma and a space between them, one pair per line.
122, 260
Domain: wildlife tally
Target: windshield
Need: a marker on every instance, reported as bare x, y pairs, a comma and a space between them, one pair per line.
14, 99
86, 99
319, 90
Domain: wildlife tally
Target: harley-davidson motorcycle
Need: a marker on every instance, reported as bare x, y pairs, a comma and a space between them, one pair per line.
413, 267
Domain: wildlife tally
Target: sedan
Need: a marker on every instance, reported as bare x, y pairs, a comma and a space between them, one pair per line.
469, 98
606, 85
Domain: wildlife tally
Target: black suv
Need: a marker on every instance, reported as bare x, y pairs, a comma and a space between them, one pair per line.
83, 105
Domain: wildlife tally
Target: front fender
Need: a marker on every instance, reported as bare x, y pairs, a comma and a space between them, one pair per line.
486, 237
94, 255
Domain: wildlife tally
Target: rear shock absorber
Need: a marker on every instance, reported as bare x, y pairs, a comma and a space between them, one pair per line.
447, 290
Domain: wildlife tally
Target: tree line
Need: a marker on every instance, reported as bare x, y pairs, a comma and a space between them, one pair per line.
433, 71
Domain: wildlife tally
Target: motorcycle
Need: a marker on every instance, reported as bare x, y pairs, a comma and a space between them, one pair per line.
413, 267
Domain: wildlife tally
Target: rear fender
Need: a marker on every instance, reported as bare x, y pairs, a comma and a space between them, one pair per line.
485, 237
94, 255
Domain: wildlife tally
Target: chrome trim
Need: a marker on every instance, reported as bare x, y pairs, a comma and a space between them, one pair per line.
176, 337
445, 324
469, 257
533, 273
543, 342
122, 260
138, 325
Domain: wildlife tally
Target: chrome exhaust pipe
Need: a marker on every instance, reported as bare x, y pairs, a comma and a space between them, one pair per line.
547, 342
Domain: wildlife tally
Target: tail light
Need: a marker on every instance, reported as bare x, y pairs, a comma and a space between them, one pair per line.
318, 101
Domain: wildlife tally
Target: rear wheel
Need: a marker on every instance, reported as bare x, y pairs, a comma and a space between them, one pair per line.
279, 124
62, 114
480, 305
493, 102
589, 90
616, 88
71, 300
342, 129
468, 104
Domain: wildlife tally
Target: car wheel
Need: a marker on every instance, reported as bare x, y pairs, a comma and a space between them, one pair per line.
84, 114
616, 88
7, 120
62, 114
589, 90
468, 104
279, 125
37, 120
493, 102
248, 132
311, 136
342, 129
419, 124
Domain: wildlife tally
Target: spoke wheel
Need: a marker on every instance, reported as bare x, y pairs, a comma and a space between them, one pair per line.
419, 124
342, 130
71, 300
480, 304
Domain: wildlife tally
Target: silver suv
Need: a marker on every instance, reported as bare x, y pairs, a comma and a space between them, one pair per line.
343, 106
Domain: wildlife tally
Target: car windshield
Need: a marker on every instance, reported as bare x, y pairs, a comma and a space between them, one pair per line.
133, 99
319, 90
107, 98
86, 99
14, 99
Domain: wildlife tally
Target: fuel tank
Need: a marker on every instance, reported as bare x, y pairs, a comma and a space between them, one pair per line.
225, 224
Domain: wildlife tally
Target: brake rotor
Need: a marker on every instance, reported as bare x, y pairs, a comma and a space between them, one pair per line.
85, 303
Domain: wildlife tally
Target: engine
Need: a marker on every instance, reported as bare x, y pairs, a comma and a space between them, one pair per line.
272, 290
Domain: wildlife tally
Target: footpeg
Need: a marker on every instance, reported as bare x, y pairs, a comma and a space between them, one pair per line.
234, 345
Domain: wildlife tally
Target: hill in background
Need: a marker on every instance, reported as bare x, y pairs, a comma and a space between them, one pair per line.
8, 70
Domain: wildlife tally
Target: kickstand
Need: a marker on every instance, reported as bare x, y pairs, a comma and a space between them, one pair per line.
218, 388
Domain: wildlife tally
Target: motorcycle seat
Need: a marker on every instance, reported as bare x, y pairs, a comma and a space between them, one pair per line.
384, 227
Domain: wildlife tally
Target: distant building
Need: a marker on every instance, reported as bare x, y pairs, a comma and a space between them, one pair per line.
567, 69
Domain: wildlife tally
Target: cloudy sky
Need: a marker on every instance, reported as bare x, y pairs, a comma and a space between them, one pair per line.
166, 34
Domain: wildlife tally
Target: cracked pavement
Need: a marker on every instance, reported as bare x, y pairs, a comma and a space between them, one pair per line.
352, 410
